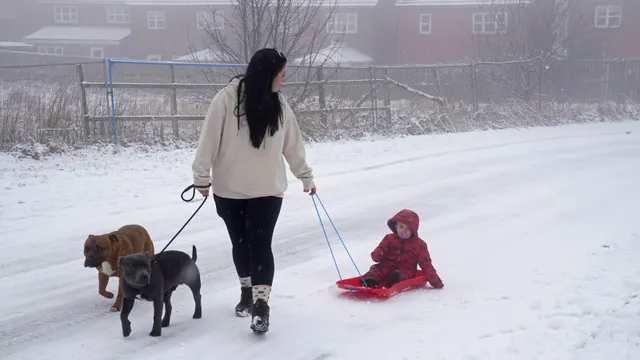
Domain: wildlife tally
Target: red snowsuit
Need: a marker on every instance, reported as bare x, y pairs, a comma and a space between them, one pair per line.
404, 255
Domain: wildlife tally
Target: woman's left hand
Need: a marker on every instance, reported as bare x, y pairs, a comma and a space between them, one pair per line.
311, 191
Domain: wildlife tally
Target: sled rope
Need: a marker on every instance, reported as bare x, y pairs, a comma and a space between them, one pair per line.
325, 235
193, 195
315, 205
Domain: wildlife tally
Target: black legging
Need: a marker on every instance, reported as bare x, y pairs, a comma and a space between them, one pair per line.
251, 223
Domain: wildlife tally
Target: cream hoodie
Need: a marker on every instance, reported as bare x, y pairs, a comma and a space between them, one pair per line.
226, 159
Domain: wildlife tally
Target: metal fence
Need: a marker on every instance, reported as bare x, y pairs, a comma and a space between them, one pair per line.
130, 101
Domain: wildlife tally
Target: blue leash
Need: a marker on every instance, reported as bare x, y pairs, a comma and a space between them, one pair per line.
315, 205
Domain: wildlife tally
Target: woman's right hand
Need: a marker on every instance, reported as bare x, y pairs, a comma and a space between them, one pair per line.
204, 192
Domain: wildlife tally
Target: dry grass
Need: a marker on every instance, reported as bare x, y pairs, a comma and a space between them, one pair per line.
37, 114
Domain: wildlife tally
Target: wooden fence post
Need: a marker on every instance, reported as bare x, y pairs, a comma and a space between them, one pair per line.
174, 102
83, 103
374, 97
529, 88
606, 82
321, 96
104, 125
436, 76
622, 81
387, 95
474, 88
540, 83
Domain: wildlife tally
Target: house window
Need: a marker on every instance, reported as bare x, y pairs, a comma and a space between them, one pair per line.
608, 16
65, 14
343, 23
154, 57
118, 15
97, 52
425, 23
206, 20
156, 20
50, 50
489, 23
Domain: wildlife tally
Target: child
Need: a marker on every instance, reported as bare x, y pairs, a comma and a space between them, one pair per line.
399, 253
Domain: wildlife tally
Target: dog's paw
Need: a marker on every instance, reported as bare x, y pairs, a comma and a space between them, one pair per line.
155, 332
166, 322
114, 308
107, 294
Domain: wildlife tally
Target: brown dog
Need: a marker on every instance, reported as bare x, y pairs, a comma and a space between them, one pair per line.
102, 252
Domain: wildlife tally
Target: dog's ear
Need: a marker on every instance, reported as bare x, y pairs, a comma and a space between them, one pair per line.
113, 238
87, 244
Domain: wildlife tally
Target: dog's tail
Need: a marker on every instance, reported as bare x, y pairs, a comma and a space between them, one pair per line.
194, 254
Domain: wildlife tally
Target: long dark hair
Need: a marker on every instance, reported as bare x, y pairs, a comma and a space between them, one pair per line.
261, 105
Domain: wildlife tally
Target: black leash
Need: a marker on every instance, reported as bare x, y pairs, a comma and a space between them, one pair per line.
193, 195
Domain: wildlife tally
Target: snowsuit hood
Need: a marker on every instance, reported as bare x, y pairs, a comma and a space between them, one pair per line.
407, 217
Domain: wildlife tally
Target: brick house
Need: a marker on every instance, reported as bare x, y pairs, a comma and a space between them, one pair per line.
140, 29
445, 31
162, 29
607, 29
361, 25
388, 31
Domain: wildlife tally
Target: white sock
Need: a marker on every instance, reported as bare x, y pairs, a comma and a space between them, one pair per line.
261, 292
245, 282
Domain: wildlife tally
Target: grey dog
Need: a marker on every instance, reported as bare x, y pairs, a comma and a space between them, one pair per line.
155, 278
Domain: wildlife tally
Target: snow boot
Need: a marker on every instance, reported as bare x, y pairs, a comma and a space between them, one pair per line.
394, 278
243, 309
370, 282
260, 320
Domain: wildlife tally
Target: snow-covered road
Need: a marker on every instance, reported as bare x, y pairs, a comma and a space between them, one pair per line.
535, 233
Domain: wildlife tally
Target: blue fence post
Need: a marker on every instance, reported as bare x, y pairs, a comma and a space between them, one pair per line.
113, 102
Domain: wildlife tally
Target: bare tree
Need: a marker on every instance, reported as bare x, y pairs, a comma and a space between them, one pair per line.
526, 29
298, 28
527, 33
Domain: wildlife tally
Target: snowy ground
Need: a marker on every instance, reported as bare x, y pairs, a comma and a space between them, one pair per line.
535, 233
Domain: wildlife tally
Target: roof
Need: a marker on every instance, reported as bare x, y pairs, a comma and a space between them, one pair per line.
14, 44
344, 3
460, 2
88, 35
206, 55
335, 55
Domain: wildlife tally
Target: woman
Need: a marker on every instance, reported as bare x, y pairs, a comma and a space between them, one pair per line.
248, 128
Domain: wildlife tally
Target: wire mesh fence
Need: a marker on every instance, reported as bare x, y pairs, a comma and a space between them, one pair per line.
70, 101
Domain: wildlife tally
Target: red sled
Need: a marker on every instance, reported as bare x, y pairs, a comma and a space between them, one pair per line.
357, 289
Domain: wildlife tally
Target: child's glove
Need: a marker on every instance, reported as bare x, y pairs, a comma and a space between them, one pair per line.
377, 255
436, 282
